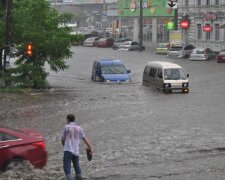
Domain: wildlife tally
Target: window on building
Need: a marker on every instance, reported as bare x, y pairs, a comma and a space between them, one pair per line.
199, 2
199, 31
186, 2
217, 32
207, 2
208, 34
217, 2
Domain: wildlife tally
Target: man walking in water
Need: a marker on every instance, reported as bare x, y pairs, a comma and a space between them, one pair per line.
71, 136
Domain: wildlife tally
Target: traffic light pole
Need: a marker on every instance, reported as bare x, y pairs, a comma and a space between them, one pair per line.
141, 25
176, 19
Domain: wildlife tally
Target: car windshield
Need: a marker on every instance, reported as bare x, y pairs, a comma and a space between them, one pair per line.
113, 69
174, 74
198, 51
161, 46
175, 48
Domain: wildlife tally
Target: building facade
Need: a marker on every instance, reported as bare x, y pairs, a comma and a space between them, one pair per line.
207, 23
155, 15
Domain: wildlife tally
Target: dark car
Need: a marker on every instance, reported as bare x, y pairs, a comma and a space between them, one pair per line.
105, 42
120, 41
17, 146
221, 56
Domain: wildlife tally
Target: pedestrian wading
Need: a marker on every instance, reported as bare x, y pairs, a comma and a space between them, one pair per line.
71, 136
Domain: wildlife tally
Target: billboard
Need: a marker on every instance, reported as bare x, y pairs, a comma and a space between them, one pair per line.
151, 8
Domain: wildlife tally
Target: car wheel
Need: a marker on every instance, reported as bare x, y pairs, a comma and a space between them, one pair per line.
16, 164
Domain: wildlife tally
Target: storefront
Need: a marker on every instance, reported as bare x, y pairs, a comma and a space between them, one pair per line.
155, 15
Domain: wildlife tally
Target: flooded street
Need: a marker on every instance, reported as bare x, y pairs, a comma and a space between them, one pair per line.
138, 133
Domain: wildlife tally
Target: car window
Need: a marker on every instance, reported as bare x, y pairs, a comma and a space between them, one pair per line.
152, 72
174, 74
187, 48
134, 43
176, 48
7, 137
161, 46
147, 70
159, 73
113, 69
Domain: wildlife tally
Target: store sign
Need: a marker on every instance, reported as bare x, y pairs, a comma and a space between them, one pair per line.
207, 28
184, 24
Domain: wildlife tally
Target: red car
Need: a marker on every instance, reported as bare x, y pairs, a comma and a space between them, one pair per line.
221, 57
105, 42
19, 145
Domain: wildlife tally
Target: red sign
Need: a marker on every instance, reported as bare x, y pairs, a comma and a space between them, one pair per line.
207, 28
184, 24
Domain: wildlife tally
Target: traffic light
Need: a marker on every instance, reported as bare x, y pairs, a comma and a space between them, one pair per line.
185, 22
170, 25
29, 49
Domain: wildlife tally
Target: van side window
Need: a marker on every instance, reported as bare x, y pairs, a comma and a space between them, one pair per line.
159, 73
147, 70
152, 72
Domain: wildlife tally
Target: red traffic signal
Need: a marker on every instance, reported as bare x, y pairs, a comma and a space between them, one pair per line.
184, 24
29, 49
207, 28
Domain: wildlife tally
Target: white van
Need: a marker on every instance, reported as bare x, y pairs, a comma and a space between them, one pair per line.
166, 76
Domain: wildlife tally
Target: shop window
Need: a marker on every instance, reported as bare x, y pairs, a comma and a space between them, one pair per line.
199, 2
199, 31
208, 3
217, 32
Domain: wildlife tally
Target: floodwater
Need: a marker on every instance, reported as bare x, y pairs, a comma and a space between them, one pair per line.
138, 133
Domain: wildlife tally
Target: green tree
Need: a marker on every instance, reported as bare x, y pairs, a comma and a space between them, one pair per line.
37, 22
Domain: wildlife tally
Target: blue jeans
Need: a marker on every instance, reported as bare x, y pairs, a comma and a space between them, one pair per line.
67, 158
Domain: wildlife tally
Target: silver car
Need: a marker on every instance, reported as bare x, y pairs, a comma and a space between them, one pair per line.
130, 46
120, 41
180, 51
202, 54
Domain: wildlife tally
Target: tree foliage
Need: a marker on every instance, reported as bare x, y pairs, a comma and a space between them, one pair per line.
37, 22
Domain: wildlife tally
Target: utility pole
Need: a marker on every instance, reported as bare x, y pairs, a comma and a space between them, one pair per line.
8, 32
141, 25
104, 18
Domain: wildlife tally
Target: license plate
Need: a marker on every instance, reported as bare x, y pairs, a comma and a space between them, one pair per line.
177, 90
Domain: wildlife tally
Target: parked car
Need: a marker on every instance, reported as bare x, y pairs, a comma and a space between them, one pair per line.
202, 54
130, 46
110, 70
186, 51
181, 51
16, 146
162, 48
90, 42
120, 41
221, 56
105, 42
166, 76
174, 50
